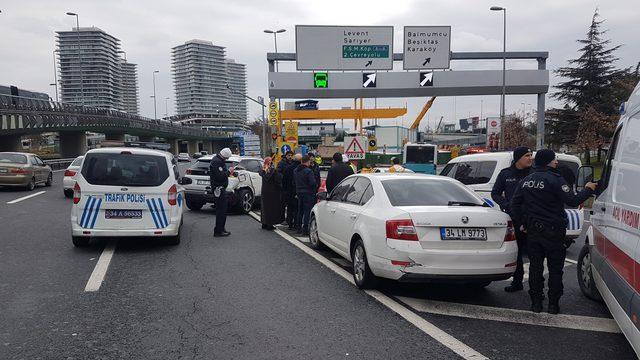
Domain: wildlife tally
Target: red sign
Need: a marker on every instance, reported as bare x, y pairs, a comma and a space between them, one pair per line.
274, 136
494, 123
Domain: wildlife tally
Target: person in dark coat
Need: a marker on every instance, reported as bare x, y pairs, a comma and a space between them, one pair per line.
219, 179
338, 172
306, 188
289, 185
284, 193
270, 201
313, 165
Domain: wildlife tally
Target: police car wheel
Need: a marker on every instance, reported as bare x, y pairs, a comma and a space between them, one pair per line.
80, 241
585, 276
245, 201
175, 240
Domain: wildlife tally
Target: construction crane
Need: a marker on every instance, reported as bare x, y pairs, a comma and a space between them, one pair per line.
439, 123
420, 116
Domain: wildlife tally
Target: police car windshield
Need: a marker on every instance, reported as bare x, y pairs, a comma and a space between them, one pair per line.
427, 192
125, 169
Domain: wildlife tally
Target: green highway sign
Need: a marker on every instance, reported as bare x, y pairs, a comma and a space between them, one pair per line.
320, 80
365, 51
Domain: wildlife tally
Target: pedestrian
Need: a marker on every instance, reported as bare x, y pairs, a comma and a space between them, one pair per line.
288, 180
396, 167
219, 178
538, 203
314, 167
270, 199
502, 193
306, 188
282, 167
338, 172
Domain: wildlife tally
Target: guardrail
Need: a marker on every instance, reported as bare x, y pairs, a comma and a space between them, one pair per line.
59, 164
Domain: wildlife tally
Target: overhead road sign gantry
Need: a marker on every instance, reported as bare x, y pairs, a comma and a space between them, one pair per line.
332, 114
321, 47
427, 47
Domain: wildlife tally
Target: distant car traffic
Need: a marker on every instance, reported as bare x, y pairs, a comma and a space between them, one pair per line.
24, 170
184, 157
69, 176
413, 227
245, 184
480, 171
386, 170
122, 192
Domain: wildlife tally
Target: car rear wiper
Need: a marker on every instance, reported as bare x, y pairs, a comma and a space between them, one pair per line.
464, 203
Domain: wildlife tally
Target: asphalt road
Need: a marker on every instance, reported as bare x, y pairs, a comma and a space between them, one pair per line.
254, 295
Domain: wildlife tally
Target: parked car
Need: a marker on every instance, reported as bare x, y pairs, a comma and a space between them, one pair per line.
184, 157
609, 263
245, 184
24, 170
414, 227
480, 171
69, 176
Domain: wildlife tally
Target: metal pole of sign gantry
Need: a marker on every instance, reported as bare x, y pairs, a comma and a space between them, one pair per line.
504, 68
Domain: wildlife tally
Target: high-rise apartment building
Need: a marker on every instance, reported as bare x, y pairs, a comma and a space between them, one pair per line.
130, 87
237, 80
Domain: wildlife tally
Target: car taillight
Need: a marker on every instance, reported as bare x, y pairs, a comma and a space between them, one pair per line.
188, 172
511, 232
401, 230
173, 195
69, 173
76, 193
19, 171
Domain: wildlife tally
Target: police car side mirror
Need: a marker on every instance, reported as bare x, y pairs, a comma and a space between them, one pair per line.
321, 196
585, 175
185, 181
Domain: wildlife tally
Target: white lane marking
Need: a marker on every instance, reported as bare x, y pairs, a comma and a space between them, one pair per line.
571, 261
525, 277
341, 261
58, 170
303, 239
428, 328
481, 312
26, 197
100, 271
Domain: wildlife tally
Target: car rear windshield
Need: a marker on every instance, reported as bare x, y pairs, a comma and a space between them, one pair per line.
13, 158
125, 169
427, 192
77, 162
420, 154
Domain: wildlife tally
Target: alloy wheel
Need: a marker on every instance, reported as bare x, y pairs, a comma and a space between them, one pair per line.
359, 263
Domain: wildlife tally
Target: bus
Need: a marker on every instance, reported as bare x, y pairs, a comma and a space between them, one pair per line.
420, 157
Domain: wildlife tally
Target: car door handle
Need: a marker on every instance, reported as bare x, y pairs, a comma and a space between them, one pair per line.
353, 216
333, 211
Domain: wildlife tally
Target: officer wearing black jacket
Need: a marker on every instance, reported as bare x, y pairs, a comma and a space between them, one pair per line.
502, 193
338, 172
539, 203
219, 177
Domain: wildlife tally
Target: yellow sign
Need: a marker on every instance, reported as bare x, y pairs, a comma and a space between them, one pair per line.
291, 133
372, 143
455, 152
274, 113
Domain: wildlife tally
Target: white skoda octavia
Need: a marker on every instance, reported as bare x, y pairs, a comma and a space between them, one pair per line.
127, 192
412, 227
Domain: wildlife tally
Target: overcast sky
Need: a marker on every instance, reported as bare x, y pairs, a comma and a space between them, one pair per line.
149, 29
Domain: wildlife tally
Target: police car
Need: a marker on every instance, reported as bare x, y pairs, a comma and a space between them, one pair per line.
480, 171
121, 192
245, 184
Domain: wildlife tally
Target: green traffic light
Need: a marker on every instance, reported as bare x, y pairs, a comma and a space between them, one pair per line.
321, 80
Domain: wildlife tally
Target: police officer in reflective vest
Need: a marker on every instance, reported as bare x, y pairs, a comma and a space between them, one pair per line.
539, 204
502, 193
219, 177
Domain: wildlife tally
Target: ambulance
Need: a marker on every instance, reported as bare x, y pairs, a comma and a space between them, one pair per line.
126, 192
609, 263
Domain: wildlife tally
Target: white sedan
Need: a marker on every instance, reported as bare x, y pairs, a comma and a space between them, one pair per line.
412, 227
69, 176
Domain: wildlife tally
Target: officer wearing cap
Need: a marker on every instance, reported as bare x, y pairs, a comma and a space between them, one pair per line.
539, 204
502, 193
219, 177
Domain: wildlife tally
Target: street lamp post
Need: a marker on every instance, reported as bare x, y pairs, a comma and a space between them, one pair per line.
79, 57
504, 68
55, 74
155, 112
275, 41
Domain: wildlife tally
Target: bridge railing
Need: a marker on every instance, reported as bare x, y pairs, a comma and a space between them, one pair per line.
59, 164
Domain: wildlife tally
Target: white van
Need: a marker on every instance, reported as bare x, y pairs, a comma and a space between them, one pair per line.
609, 263
127, 192
480, 171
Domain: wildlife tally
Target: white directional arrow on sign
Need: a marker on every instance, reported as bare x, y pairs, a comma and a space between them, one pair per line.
427, 79
371, 80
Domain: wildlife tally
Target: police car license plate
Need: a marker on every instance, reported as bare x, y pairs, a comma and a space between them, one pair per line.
203, 182
122, 214
448, 233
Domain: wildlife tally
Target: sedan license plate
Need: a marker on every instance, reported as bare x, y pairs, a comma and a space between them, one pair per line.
203, 182
123, 214
4, 171
448, 233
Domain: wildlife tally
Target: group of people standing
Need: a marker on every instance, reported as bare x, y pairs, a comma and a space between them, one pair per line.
535, 197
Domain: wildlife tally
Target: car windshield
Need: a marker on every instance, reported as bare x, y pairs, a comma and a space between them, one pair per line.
428, 192
13, 158
568, 170
77, 162
125, 169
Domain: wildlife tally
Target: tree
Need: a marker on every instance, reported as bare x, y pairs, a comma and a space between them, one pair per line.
515, 134
593, 130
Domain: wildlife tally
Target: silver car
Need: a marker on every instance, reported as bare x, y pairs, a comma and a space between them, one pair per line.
24, 170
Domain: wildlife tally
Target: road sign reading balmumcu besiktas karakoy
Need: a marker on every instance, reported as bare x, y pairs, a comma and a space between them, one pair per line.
427, 47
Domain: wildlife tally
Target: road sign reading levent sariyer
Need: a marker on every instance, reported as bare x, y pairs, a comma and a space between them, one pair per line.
344, 47
427, 47
355, 147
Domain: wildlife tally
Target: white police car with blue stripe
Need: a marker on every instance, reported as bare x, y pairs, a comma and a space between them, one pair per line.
127, 192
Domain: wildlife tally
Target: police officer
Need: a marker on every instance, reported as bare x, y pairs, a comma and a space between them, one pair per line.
539, 203
219, 177
502, 193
